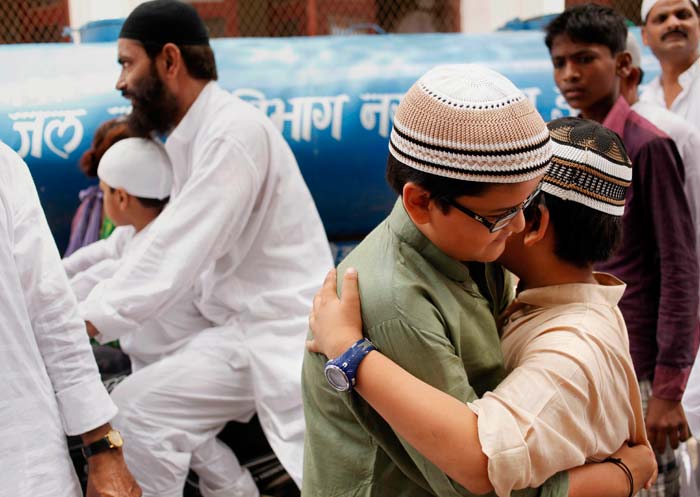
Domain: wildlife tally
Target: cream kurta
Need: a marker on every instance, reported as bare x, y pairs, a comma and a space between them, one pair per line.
572, 394
50, 385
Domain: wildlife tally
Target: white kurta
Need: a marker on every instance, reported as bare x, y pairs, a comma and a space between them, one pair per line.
691, 399
50, 384
156, 337
91, 264
687, 103
243, 229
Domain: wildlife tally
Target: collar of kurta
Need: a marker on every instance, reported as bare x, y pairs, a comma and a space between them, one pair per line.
617, 117
687, 77
401, 224
144, 231
607, 292
188, 126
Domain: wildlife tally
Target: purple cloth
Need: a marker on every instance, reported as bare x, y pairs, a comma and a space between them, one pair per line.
657, 258
87, 221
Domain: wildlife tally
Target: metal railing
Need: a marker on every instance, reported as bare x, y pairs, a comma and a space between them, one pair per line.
36, 21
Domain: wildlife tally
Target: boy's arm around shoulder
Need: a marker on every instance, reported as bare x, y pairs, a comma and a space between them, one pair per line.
431, 359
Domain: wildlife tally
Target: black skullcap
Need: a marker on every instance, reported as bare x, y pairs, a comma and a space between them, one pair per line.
165, 21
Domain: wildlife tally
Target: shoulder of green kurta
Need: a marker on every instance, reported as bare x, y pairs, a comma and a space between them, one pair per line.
398, 283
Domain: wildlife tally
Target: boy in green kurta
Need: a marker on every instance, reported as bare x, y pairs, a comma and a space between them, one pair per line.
467, 153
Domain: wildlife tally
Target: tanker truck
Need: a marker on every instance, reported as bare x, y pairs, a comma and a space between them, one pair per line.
332, 97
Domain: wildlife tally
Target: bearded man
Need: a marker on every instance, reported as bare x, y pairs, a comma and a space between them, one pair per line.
243, 230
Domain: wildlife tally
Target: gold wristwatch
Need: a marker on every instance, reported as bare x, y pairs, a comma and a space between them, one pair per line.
113, 440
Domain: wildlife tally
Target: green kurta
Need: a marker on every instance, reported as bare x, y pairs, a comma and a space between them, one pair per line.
426, 312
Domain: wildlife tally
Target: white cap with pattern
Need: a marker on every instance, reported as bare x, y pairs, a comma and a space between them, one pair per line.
470, 123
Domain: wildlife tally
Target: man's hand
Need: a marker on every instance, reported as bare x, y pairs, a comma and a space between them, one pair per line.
91, 330
666, 418
108, 476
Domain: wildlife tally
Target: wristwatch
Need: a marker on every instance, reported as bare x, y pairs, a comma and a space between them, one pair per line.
341, 371
113, 440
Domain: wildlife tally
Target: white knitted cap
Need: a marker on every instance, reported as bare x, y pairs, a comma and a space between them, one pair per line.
468, 122
647, 5
634, 50
138, 165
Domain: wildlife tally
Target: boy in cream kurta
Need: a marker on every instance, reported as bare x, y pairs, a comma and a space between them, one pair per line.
563, 346
571, 395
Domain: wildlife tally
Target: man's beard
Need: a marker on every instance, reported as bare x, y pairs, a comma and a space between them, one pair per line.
154, 108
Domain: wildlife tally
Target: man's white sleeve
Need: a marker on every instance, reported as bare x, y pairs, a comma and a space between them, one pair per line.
691, 398
89, 255
85, 281
60, 333
199, 225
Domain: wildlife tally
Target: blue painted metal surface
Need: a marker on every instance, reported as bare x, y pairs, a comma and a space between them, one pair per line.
104, 30
333, 98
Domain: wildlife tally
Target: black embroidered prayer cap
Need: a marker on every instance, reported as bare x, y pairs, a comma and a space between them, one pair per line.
165, 21
589, 165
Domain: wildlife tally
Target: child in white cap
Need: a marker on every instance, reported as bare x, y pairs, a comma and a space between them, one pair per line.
136, 179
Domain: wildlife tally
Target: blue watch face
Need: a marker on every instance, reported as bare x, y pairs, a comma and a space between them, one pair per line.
336, 377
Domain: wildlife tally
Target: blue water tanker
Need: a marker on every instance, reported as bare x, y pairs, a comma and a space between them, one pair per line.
332, 97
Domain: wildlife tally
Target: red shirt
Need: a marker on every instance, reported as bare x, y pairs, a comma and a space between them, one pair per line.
657, 257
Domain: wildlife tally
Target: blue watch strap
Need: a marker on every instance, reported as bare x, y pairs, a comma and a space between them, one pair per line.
341, 372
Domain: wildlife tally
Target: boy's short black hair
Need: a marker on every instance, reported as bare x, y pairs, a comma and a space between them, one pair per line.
583, 236
150, 203
439, 187
590, 23
154, 203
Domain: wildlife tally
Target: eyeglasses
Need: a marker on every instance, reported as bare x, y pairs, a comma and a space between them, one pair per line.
500, 222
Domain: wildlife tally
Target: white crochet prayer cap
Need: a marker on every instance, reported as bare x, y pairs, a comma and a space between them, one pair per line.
647, 5
138, 165
468, 122
634, 50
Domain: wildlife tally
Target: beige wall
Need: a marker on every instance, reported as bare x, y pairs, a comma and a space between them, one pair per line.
482, 16
83, 11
